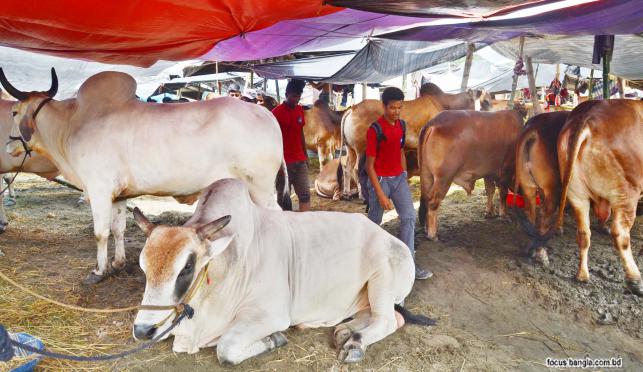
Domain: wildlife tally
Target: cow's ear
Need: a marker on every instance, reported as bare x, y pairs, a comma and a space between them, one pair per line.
143, 222
26, 127
219, 245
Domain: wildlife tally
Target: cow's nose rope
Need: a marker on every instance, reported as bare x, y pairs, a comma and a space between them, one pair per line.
181, 311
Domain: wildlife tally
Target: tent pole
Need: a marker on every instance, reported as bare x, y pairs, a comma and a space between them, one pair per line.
591, 84
621, 88
532, 87
363, 91
216, 69
515, 80
277, 88
607, 56
467, 67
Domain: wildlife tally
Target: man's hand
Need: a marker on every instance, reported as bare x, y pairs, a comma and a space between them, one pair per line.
385, 203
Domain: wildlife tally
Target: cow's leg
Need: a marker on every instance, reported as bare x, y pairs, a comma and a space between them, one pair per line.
119, 216
101, 205
345, 330
382, 322
323, 153
348, 169
437, 194
583, 235
621, 224
252, 332
502, 205
262, 191
490, 188
3, 217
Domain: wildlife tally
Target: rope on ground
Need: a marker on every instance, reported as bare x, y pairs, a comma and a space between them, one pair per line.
67, 306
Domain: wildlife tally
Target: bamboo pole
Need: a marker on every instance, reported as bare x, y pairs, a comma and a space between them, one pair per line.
607, 56
216, 69
537, 109
591, 84
621, 87
277, 88
514, 84
467, 67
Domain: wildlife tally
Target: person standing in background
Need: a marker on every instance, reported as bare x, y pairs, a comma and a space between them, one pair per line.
290, 116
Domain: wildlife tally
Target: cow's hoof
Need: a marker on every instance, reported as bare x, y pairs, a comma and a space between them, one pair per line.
9, 202
582, 279
342, 334
118, 266
636, 287
345, 197
490, 215
540, 256
353, 350
278, 339
433, 238
93, 279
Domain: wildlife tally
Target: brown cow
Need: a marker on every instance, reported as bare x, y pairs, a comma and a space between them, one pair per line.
459, 101
36, 163
461, 147
534, 169
600, 154
330, 181
322, 131
358, 119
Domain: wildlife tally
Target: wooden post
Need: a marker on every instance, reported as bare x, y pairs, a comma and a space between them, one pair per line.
532, 87
621, 88
404, 84
277, 88
216, 69
363, 91
252, 78
467, 67
591, 84
265, 86
607, 56
515, 79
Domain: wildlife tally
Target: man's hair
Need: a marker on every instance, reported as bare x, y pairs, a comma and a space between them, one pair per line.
392, 94
295, 86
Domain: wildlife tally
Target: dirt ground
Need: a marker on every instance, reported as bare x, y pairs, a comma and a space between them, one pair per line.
496, 311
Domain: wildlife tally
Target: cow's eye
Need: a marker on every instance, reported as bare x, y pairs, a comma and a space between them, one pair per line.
189, 266
14, 113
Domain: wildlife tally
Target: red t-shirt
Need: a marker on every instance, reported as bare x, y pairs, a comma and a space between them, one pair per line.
388, 159
291, 121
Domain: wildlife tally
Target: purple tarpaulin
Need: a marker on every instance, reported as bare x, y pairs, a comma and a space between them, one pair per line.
331, 31
618, 17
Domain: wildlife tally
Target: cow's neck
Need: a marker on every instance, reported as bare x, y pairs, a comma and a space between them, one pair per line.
54, 128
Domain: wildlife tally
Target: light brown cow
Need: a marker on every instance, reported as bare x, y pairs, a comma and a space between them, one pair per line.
322, 131
461, 147
358, 119
469, 100
330, 181
600, 154
37, 164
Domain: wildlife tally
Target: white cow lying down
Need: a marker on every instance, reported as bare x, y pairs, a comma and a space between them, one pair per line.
269, 270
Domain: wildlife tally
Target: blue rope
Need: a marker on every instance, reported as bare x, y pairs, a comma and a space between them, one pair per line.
7, 345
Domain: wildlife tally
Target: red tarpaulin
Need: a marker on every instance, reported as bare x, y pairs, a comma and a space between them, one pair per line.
139, 32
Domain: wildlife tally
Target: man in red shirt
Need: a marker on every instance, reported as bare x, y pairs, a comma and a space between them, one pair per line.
290, 116
386, 169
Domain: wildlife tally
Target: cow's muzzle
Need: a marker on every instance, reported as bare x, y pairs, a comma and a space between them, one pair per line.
144, 331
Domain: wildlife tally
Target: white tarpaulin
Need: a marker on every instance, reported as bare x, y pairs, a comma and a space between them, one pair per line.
29, 71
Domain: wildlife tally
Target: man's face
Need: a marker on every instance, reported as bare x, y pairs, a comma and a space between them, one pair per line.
234, 93
392, 110
292, 98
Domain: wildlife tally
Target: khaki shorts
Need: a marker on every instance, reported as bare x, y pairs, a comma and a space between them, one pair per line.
298, 178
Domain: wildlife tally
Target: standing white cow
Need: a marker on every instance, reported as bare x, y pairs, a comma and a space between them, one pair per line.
115, 147
37, 164
268, 270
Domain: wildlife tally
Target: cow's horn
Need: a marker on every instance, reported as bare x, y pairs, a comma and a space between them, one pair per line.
21, 96
54, 84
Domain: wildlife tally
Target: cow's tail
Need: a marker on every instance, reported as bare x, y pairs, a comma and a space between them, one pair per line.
417, 319
423, 198
578, 134
283, 187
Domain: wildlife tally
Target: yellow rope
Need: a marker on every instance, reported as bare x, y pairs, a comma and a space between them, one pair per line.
67, 306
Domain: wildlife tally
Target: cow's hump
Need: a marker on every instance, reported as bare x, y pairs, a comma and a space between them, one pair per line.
106, 89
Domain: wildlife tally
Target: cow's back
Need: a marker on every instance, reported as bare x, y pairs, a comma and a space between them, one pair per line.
471, 142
